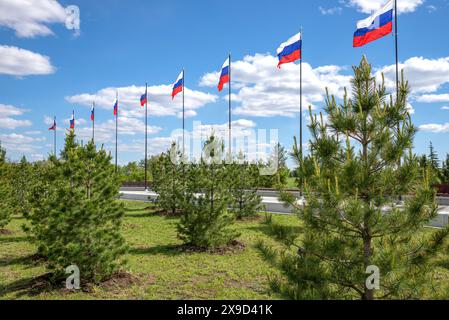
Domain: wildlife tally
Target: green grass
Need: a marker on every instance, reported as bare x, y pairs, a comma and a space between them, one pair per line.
162, 271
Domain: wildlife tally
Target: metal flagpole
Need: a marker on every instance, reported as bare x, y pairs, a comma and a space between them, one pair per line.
146, 135
93, 122
396, 46
230, 116
116, 134
300, 106
183, 112
54, 137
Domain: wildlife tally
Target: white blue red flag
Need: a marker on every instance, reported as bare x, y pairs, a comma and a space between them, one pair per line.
116, 107
224, 77
376, 26
178, 86
53, 127
72, 121
144, 99
290, 50
92, 112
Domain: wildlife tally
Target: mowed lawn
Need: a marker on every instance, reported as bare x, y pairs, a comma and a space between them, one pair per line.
159, 269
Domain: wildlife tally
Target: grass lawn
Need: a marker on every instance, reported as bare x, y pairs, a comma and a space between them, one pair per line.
161, 270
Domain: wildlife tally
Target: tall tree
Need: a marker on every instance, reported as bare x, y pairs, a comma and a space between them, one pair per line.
433, 157
352, 223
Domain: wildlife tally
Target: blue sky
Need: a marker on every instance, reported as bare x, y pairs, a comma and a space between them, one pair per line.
48, 70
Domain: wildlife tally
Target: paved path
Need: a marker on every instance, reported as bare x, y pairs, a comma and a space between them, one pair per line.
273, 205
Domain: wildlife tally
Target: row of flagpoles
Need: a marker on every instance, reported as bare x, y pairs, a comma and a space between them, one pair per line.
370, 29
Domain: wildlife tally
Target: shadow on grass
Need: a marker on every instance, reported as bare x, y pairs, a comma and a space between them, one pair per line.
32, 286
6, 239
169, 250
141, 215
29, 260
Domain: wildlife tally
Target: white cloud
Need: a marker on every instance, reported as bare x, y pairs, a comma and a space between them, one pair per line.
330, 11
6, 120
435, 128
369, 6
431, 98
265, 91
445, 108
29, 18
15, 142
20, 62
105, 131
160, 102
424, 75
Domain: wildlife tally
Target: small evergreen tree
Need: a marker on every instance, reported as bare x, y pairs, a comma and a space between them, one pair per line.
76, 218
169, 179
351, 221
206, 222
22, 180
445, 171
433, 158
243, 178
5, 190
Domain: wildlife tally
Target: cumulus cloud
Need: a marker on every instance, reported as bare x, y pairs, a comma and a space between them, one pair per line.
15, 142
445, 108
424, 75
30, 18
20, 62
160, 102
265, 91
435, 128
330, 11
431, 98
7, 112
369, 6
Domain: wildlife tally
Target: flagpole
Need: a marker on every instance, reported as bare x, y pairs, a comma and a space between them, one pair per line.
146, 135
230, 115
116, 134
300, 106
54, 137
183, 112
396, 46
93, 122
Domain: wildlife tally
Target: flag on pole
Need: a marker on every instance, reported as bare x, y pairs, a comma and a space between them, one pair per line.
72, 121
53, 127
290, 51
92, 113
375, 26
116, 107
144, 99
224, 77
178, 86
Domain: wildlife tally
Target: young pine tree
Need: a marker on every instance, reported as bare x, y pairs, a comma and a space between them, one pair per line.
352, 221
169, 180
6, 208
76, 218
242, 178
206, 222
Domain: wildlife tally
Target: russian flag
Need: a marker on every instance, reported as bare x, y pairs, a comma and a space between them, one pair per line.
290, 50
375, 27
92, 113
178, 85
224, 77
72, 121
116, 107
143, 99
53, 127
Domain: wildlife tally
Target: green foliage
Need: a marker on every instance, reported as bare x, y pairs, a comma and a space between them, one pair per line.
206, 221
242, 178
6, 193
76, 218
445, 171
169, 179
360, 164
